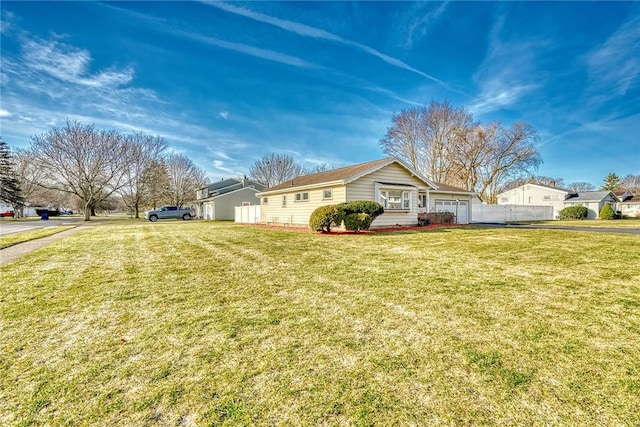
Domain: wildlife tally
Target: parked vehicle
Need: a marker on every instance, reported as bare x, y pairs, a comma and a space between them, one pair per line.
166, 212
49, 212
8, 214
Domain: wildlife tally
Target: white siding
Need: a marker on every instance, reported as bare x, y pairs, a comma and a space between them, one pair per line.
463, 217
531, 194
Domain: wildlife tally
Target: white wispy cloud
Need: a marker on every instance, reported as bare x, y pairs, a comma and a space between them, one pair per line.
505, 78
421, 20
317, 33
4, 113
616, 63
224, 114
257, 52
69, 64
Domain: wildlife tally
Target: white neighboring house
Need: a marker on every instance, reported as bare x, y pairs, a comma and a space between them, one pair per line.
629, 205
560, 198
536, 195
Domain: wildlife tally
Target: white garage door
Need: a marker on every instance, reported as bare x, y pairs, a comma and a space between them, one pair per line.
460, 209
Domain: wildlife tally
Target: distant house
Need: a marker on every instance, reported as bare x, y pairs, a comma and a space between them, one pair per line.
217, 201
549, 195
402, 192
629, 203
594, 201
535, 195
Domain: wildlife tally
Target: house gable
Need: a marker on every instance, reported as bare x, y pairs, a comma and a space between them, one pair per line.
341, 176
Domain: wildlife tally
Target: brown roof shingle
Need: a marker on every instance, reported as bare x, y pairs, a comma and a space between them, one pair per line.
339, 174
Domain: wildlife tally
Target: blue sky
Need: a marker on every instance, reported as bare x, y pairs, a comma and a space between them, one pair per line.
227, 83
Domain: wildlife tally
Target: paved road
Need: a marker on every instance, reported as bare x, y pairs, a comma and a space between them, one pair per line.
11, 227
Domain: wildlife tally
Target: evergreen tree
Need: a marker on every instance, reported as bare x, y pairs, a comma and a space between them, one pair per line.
9, 185
611, 182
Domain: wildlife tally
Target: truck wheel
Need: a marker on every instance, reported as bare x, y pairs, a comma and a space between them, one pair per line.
153, 218
186, 217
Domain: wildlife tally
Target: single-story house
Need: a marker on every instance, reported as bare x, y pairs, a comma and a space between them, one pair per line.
594, 201
217, 201
629, 204
402, 192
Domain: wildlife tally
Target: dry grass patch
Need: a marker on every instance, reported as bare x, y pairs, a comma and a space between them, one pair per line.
217, 324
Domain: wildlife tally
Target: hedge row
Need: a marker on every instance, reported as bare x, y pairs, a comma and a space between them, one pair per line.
357, 215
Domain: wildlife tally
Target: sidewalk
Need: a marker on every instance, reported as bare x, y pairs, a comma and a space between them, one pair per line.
14, 252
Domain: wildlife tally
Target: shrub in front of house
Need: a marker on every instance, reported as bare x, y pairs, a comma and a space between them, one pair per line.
607, 212
574, 212
324, 217
357, 221
446, 218
372, 209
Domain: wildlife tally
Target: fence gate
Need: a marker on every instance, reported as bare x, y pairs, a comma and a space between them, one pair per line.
247, 214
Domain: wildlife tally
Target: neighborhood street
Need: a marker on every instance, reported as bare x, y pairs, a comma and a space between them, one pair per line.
11, 227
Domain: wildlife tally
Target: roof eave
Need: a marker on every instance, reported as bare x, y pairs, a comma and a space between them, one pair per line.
302, 187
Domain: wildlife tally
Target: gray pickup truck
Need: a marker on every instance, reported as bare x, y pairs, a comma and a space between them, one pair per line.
166, 212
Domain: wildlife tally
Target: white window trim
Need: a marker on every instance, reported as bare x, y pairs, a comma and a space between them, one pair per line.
330, 190
378, 187
301, 195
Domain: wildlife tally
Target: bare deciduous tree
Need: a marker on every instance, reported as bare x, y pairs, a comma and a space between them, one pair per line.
80, 160
510, 154
29, 175
274, 169
142, 151
429, 139
631, 182
156, 182
577, 187
447, 145
184, 179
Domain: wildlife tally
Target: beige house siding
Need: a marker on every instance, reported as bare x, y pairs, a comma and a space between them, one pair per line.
365, 189
297, 213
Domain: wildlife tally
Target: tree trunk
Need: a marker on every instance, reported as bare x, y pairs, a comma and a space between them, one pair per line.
87, 212
137, 209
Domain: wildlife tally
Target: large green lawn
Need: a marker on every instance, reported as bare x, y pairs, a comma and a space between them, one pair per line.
202, 323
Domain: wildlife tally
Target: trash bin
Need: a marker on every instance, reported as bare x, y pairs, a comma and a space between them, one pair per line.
44, 216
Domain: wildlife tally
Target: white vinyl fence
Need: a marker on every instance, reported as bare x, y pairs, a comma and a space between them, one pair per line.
247, 214
503, 213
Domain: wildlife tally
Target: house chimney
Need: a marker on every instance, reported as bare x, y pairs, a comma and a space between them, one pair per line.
244, 181
552, 183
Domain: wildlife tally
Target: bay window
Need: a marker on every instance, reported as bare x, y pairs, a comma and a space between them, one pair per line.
391, 198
